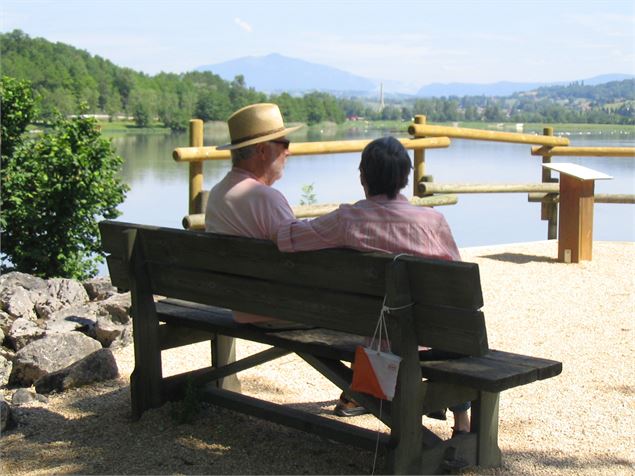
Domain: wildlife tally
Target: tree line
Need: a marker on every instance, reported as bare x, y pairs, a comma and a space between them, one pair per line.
63, 77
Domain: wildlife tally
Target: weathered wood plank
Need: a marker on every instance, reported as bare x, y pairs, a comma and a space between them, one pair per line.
406, 437
284, 415
442, 283
174, 386
482, 373
145, 380
545, 368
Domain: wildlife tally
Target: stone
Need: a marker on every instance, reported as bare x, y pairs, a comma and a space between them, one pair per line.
49, 354
61, 293
99, 288
7, 422
96, 367
17, 302
23, 332
23, 396
16, 279
112, 334
5, 321
118, 306
73, 318
5, 370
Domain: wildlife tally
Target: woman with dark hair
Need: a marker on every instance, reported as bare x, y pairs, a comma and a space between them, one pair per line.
385, 221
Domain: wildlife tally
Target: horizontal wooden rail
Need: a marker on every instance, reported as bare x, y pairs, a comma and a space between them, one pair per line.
196, 221
195, 154
584, 151
423, 130
433, 187
597, 198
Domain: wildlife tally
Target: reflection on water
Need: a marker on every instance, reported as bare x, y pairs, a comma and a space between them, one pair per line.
159, 186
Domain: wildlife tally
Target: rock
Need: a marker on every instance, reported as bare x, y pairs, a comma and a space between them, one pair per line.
23, 332
96, 367
17, 302
22, 396
118, 306
22, 280
49, 354
7, 421
99, 289
5, 370
1, 336
112, 334
74, 318
5, 321
61, 293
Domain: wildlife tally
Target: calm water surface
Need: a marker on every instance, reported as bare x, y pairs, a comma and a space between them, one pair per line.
159, 186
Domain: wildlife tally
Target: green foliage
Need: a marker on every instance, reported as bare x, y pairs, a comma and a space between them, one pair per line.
18, 110
185, 410
55, 189
63, 76
308, 195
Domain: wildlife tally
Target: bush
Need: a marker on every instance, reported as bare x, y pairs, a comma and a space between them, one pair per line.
55, 189
18, 111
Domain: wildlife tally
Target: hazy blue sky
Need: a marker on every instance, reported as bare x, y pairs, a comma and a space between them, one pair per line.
419, 42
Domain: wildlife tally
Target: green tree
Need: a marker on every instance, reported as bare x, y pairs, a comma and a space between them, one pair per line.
55, 189
18, 111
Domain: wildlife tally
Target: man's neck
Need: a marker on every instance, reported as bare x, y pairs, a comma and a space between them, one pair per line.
249, 166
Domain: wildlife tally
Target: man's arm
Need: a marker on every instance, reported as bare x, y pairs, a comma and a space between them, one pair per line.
305, 235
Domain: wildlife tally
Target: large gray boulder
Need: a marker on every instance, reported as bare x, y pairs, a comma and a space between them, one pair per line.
61, 293
80, 317
118, 306
111, 333
96, 367
23, 332
22, 280
17, 302
49, 354
99, 288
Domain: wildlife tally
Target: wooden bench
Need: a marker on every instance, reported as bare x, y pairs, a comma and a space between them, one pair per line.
202, 275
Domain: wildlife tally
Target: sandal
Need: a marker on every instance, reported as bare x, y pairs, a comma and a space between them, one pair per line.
349, 408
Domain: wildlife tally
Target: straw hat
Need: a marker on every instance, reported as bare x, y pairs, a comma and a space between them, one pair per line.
254, 124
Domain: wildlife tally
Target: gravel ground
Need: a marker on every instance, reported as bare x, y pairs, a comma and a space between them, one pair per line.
580, 422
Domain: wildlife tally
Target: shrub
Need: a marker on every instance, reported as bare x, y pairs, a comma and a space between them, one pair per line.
55, 189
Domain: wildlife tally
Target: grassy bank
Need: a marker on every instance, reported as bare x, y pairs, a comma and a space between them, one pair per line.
401, 127
124, 127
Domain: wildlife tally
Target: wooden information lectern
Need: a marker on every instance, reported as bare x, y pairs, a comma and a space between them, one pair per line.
575, 231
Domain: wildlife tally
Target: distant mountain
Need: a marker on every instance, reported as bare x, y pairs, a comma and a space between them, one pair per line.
505, 88
276, 73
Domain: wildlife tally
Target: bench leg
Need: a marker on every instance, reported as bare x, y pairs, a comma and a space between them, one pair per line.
223, 353
485, 424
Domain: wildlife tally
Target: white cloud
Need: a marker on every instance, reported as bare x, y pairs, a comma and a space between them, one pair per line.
243, 24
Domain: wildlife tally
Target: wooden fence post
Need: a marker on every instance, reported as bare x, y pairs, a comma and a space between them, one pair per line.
196, 169
419, 162
549, 211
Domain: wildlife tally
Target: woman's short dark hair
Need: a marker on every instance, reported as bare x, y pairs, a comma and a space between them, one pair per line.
385, 167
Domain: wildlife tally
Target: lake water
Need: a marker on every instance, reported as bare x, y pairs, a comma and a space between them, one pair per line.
159, 186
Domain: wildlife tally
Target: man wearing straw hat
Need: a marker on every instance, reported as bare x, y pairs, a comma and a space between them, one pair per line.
244, 203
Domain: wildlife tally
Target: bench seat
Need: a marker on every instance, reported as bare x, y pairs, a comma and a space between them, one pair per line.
494, 372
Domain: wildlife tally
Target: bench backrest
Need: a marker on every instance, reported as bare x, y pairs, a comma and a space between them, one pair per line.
338, 289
